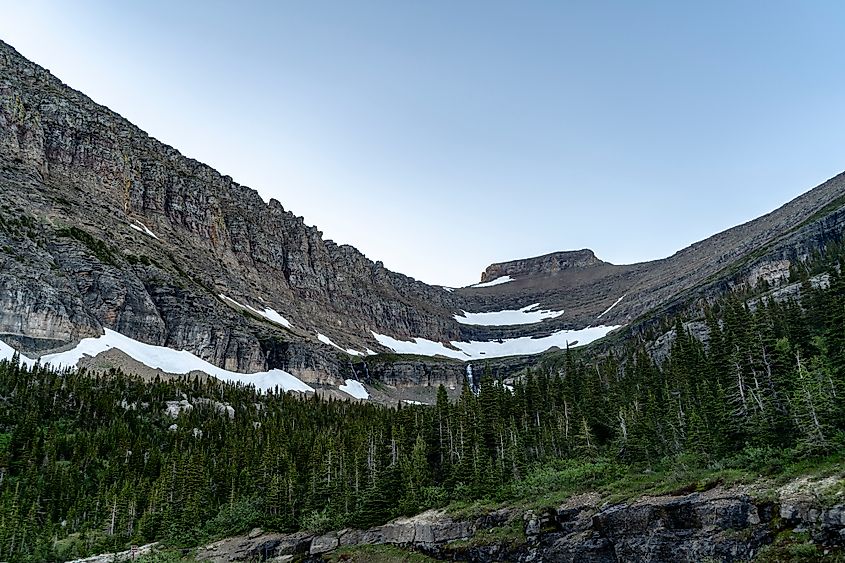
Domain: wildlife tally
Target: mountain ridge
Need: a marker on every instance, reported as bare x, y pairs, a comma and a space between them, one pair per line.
102, 226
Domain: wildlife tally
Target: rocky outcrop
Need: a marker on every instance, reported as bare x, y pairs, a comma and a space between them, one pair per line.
430, 528
402, 372
257, 547
121, 556
725, 525
548, 265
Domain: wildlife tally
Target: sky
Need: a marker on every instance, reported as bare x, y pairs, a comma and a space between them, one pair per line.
441, 136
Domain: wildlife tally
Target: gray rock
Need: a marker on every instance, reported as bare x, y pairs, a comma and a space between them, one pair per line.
399, 533
835, 516
553, 264
324, 544
532, 524
350, 537
261, 547
451, 531
424, 533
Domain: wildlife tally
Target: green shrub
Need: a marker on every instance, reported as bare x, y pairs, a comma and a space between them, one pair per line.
97, 247
234, 518
317, 521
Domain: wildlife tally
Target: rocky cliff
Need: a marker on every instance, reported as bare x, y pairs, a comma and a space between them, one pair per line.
592, 291
720, 524
547, 265
102, 226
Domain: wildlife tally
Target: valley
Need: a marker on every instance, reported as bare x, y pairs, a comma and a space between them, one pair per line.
190, 368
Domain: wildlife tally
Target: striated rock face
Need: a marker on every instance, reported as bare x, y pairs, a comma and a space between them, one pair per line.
550, 264
407, 373
724, 525
103, 226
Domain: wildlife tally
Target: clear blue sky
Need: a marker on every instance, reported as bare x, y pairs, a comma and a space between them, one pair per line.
440, 136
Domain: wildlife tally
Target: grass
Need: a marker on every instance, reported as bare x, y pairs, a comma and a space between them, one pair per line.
140, 259
550, 485
511, 534
97, 247
791, 547
377, 554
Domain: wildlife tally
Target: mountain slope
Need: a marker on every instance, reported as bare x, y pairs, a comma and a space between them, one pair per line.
107, 227
594, 291
103, 227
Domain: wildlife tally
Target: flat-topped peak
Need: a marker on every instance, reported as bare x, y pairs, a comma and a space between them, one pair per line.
548, 264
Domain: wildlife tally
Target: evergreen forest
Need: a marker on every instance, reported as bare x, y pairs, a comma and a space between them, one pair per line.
96, 462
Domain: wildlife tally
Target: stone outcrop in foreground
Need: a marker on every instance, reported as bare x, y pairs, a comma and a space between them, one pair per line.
717, 525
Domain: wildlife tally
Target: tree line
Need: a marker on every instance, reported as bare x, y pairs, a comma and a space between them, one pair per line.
96, 462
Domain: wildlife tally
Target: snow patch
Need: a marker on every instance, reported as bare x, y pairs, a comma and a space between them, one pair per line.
7, 353
449, 289
269, 314
326, 340
409, 402
142, 228
617, 302
524, 316
504, 385
272, 315
475, 350
161, 357
498, 281
355, 389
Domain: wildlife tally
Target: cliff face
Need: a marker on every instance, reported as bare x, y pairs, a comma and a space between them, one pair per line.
724, 525
103, 226
549, 264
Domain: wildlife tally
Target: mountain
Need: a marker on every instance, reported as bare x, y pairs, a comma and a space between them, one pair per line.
730, 451
708, 425
104, 228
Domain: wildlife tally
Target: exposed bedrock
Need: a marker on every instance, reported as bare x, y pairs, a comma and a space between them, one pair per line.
101, 225
725, 525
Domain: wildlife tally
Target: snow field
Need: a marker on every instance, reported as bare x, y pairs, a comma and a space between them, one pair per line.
525, 316
161, 357
474, 350
498, 281
355, 389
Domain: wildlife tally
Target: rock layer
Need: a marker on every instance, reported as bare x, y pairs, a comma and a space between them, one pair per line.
103, 226
725, 525
549, 264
